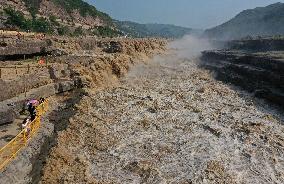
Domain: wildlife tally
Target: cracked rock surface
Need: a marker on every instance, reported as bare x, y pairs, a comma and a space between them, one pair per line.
169, 122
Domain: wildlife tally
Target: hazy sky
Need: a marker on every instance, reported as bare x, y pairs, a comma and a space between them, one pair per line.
189, 13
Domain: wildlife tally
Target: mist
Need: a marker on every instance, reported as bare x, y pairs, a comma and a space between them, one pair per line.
190, 46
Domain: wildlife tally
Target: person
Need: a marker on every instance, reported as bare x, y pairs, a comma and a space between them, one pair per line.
30, 108
33, 114
26, 125
32, 111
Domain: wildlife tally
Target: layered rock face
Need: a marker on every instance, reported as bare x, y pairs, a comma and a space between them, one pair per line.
257, 45
258, 72
14, 49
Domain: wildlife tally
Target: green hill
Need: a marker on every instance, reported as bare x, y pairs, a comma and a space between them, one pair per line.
153, 30
263, 21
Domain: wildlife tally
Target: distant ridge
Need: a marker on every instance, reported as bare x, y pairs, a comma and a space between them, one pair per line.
134, 29
261, 21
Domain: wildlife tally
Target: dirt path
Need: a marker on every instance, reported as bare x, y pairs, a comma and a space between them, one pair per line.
169, 122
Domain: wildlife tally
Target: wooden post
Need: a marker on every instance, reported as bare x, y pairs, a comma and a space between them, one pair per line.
0, 73
28, 68
24, 56
16, 70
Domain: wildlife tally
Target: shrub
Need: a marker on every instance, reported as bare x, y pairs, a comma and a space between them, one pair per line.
53, 20
78, 31
41, 25
33, 6
63, 30
17, 19
83, 8
106, 32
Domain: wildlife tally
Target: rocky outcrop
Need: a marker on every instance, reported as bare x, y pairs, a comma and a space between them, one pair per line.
40, 77
261, 44
93, 46
18, 48
260, 73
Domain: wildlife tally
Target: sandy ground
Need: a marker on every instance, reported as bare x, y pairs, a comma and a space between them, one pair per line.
170, 122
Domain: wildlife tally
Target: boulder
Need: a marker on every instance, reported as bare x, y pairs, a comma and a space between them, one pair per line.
7, 116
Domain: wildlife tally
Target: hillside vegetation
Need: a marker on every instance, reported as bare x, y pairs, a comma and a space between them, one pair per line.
60, 17
84, 9
69, 6
263, 21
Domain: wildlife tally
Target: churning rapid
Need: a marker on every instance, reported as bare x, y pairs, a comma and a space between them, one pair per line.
169, 122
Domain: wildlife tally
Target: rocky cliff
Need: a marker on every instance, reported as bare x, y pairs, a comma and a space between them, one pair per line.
255, 65
264, 44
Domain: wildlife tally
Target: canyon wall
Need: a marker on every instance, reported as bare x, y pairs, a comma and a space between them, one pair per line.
255, 65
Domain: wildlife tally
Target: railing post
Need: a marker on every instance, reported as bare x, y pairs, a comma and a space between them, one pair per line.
25, 137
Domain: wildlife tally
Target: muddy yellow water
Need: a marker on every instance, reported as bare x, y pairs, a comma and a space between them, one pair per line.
170, 122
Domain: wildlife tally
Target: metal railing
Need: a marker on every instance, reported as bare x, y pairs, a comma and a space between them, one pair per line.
10, 150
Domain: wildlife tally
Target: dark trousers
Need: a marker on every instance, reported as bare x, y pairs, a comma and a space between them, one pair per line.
33, 117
